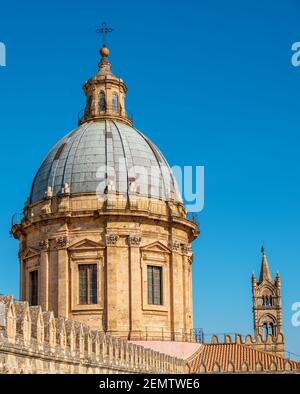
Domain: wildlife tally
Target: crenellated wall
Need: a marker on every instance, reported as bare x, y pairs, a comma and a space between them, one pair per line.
270, 344
32, 341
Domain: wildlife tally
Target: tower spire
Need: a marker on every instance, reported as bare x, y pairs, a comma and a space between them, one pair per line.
267, 309
265, 273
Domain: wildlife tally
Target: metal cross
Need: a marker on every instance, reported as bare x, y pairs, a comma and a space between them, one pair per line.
104, 29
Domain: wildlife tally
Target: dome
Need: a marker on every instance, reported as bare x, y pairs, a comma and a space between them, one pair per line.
103, 218
105, 156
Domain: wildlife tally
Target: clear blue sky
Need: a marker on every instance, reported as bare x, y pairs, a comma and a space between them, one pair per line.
211, 83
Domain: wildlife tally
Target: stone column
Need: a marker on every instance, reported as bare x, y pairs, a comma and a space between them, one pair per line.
44, 276
62, 276
135, 290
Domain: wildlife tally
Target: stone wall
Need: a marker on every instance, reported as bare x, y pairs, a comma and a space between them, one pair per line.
32, 341
56, 241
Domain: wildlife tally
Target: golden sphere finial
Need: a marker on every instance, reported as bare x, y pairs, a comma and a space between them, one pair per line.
104, 51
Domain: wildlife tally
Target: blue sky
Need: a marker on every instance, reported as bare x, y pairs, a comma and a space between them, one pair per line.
211, 83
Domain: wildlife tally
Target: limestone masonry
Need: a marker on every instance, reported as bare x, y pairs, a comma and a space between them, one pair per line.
32, 341
105, 253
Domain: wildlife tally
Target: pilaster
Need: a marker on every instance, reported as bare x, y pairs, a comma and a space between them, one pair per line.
111, 300
135, 278
63, 276
44, 275
177, 295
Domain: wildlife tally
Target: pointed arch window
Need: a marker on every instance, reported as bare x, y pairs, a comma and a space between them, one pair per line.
115, 102
267, 301
263, 300
265, 330
102, 102
270, 301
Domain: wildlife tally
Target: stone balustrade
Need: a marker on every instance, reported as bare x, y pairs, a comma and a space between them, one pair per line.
33, 341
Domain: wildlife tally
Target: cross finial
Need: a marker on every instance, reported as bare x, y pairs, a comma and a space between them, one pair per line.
104, 29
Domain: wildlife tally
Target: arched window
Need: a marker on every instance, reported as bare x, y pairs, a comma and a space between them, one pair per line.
272, 332
265, 330
263, 300
270, 301
89, 104
33, 288
102, 102
114, 102
267, 301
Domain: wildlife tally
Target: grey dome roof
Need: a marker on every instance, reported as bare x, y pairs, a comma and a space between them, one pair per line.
76, 159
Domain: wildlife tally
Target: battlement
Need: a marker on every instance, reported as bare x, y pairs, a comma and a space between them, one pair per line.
269, 344
248, 339
33, 341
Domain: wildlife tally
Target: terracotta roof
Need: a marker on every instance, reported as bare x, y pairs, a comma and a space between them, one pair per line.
234, 357
183, 350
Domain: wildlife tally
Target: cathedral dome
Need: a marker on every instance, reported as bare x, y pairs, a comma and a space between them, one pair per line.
105, 239
103, 156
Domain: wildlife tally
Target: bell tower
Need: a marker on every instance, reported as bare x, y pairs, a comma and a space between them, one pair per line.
267, 308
